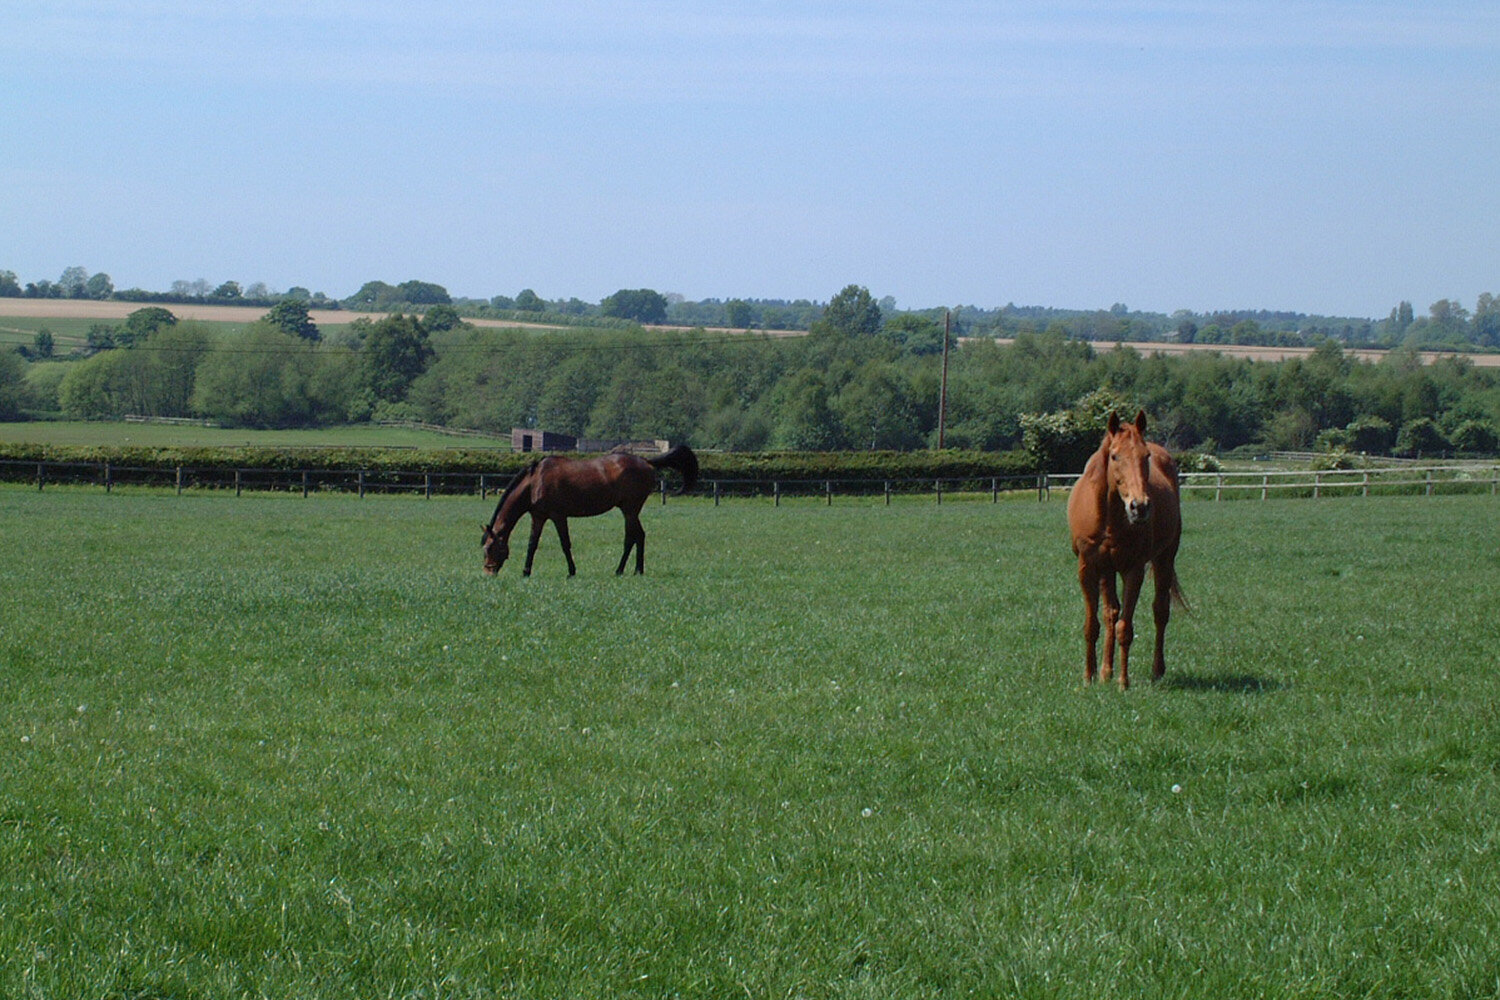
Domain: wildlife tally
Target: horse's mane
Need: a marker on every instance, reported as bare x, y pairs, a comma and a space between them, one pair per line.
510, 488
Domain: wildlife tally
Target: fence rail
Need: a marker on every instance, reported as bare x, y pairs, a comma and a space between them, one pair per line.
1426, 480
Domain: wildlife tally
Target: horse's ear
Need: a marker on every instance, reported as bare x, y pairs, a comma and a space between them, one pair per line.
1140, 421
1114, 422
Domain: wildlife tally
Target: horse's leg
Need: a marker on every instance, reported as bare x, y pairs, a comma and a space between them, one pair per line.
1125, 627
537, 524
635, 537
1088, 579
567, 543
1164, 571
1111, 622
640, 547
629, 541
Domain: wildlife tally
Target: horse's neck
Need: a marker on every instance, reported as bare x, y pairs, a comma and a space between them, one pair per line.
511, 511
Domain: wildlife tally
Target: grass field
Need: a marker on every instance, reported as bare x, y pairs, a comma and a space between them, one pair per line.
276, 747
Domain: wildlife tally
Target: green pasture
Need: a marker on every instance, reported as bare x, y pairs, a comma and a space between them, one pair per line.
302, 748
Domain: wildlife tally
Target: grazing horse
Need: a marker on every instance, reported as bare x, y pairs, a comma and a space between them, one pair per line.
1124, 513
557, 488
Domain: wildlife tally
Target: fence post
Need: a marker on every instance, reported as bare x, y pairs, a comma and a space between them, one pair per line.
1317, 484
179, 480
109, 477
994, 489
427, 485
1219, 487
663, 484
304, 484
41, 475
1265, 482
1364, 483
776, 491
887, 492
828, 491
236, 482
361, 484
716, 493
1429, 482
1041, 486
938, 486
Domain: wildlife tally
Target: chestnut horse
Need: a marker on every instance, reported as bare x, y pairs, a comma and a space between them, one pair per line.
557, 488
1124, 513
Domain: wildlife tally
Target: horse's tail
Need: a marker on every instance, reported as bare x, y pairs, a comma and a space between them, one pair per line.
684, 461
1178, 597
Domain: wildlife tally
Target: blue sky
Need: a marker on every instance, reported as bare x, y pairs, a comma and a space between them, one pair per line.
1327, 156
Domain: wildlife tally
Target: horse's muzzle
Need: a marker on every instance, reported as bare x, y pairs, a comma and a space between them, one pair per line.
1138, 511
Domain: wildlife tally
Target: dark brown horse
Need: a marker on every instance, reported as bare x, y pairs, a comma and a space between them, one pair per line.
557, 488
1124, 513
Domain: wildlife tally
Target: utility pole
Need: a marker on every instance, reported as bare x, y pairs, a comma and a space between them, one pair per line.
943, 390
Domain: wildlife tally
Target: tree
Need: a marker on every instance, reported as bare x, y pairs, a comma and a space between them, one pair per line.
395, 352
738, 314
290, 316
142, 323
1370, 435
228, 290
12, 384
441, 318
641, 305
529, 301
805, 420
422, 293
1485, 328
42, 345
1420, 437
10, 285
875, 409
917, 334
371, 295
1475, 437
99, 286
101, 337
262, 381
853, 311
74, 282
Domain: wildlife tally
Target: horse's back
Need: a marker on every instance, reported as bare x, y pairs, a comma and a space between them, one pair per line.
572, 487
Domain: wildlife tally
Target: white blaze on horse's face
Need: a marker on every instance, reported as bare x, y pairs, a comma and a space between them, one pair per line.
1130, 471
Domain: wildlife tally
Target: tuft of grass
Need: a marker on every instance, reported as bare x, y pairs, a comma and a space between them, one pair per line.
281, 747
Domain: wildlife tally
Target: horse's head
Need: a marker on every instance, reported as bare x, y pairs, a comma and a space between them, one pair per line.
496, 550
1129, 468
512, 504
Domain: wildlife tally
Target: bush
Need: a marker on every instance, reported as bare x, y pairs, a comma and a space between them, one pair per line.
1475, 437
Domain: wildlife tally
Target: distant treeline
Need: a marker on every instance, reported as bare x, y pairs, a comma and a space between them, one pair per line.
1446, 325
861, 380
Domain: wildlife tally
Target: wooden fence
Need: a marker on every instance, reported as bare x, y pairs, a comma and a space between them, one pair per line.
1424, 480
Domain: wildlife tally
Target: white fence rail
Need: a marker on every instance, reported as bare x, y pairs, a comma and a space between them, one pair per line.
1426, 480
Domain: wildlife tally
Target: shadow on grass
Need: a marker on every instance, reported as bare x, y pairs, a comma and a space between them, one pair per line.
1221, 683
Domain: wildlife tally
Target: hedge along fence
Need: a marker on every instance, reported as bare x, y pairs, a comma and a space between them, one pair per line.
766, 466
366, 481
